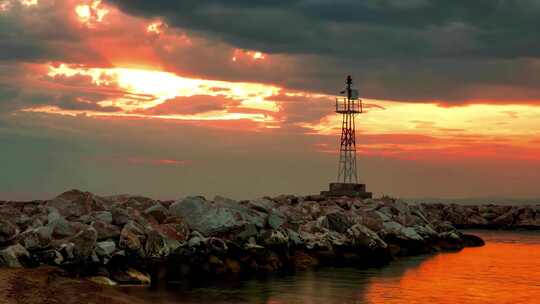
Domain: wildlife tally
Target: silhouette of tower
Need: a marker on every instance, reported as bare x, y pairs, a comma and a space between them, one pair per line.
349, 106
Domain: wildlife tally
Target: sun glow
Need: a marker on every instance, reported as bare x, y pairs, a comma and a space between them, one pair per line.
145, 89
29, 2
415, 118
257, 55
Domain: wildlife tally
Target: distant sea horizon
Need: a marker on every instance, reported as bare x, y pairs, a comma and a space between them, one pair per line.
21, 196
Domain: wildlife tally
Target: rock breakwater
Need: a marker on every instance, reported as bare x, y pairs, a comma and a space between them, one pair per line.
135, 240
487, 216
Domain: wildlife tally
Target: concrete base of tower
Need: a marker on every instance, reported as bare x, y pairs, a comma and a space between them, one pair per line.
351, 190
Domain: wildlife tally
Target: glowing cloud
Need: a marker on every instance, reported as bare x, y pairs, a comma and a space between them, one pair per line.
92, 13
156, 27
6, 5
144, 89
251, 56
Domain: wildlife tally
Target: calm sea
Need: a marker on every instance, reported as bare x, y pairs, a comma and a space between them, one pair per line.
506, 270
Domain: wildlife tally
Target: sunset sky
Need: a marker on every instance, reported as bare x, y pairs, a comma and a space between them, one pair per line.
168, 98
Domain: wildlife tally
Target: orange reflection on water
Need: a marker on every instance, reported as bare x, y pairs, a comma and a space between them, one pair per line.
496, 273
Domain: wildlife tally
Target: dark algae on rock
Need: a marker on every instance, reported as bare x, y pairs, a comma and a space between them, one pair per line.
127, 239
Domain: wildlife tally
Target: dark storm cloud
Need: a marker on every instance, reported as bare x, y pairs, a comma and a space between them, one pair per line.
41, 33
411, 50
372, 28
16, 94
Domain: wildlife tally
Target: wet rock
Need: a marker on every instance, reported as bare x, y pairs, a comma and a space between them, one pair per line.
14, 256
102, 280
130, 277
232, 266
275, 238
105, 249
470, 240
197, 240
216, 245
303, 260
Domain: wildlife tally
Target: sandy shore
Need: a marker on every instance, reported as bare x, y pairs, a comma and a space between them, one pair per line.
46, 285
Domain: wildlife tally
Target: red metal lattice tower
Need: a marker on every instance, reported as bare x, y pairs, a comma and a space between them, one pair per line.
348, 107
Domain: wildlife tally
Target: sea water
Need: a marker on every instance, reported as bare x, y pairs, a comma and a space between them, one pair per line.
506, 270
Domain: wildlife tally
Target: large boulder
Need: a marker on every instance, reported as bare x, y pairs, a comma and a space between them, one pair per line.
75, 203
177, 230
158, 212
338, 221
276, 238
216, 218
60, 226
526, 216
365, 238
505, 219
8, 231
131, 237
105, 249
104, 216
156, 245
84, 243
398, 231
37, 238
261, 204
276, 219
120, 216
471, 240
105, 230
14, 256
